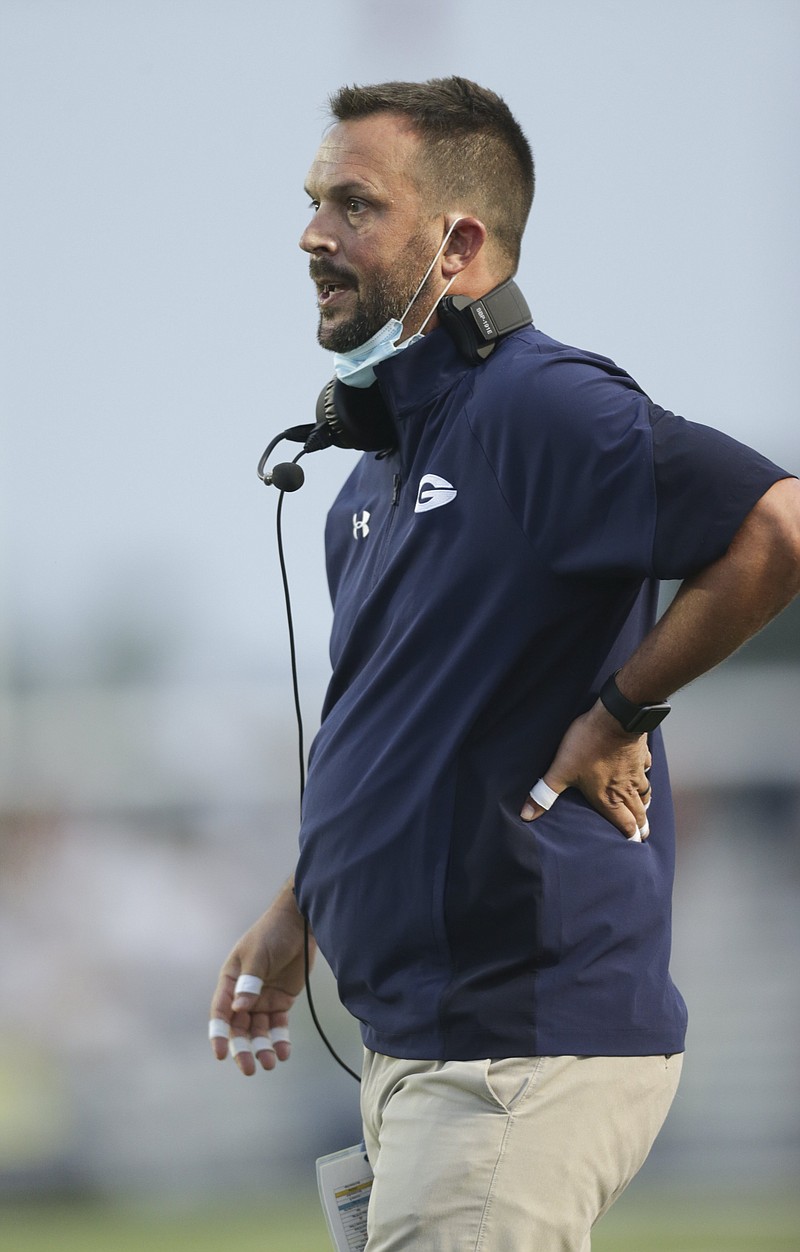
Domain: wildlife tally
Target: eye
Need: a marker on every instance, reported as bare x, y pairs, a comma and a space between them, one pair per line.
313, 205
355, 206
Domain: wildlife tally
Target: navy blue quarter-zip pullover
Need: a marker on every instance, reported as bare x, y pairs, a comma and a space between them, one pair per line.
486, 577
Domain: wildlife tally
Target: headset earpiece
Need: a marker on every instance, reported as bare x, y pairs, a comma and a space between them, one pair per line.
475, 326
357, 417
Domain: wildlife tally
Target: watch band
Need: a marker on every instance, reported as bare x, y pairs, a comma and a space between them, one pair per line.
636, 719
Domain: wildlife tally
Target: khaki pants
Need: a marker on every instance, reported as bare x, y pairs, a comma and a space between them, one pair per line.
516, 1155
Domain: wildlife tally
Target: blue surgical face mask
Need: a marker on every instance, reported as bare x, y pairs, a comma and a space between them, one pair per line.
357, 367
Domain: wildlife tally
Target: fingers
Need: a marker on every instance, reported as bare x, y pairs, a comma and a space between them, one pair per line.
220, 1016
624, 806
251, 1038
640, 834
218, 1031
245, 1045
237, 1029
541, 798
282, 1044
627, 810
644, 795
246, 992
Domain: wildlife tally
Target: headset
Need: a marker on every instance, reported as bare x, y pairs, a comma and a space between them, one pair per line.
358, 417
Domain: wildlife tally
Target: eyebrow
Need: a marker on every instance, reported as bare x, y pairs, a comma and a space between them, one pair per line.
341, 191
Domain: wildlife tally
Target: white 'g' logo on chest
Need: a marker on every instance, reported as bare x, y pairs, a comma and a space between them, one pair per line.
433, 492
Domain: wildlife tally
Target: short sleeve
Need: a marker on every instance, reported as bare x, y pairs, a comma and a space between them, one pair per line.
572, 450
605, 483
706, 484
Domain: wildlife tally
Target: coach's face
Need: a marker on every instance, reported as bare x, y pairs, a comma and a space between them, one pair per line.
371, 238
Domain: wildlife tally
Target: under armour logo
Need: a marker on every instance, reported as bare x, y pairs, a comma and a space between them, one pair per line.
361, 525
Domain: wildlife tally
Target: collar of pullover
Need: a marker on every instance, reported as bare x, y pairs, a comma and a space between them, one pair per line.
413, 378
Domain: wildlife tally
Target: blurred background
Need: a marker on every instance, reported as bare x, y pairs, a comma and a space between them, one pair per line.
158, 330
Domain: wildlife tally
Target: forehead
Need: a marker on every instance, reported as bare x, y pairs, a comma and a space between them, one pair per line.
377, 153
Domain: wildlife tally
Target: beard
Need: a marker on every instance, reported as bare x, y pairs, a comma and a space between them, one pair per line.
378, 301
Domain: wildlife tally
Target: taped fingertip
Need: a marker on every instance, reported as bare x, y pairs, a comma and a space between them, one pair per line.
636, 837
262, 1043
248, 985
280, 1034
543, 795
218, 1029
239, 1044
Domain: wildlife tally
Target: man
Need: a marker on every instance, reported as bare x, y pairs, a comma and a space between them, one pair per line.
493, 570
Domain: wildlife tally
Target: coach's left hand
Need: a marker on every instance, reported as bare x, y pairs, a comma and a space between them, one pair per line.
608, 766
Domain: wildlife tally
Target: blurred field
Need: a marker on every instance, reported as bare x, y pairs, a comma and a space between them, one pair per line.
641, 1223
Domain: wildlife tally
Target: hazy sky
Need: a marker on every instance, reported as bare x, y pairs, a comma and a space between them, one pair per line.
158, 318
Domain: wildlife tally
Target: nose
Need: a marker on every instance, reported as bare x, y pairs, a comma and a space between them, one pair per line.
315, 238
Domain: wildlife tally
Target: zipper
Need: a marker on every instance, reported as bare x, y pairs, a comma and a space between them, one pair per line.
397, 484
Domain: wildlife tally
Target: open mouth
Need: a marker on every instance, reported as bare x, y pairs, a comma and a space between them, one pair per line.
329, 291
331, 285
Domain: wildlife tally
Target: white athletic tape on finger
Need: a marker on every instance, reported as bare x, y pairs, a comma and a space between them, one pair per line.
240, 1043
262, 1043
543, 795
280, 1034
644, 831
248, 985
218, 1029
637, 838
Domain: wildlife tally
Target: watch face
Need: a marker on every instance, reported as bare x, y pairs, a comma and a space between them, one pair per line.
635, 719
647, 718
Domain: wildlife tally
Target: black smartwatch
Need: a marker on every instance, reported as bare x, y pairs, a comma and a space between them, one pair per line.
636, 719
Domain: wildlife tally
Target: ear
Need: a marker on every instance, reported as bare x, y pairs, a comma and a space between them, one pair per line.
463, 246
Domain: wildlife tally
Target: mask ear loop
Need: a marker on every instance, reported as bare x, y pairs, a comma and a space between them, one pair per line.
427, 275
448, 285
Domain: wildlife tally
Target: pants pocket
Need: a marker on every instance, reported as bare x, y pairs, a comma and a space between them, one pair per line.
510, 1079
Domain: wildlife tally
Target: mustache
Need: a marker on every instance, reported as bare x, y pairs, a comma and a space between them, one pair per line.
323, 272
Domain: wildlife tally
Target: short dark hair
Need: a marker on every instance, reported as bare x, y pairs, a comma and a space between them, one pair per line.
473, 149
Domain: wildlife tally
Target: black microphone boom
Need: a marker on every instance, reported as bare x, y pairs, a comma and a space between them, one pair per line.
288, 476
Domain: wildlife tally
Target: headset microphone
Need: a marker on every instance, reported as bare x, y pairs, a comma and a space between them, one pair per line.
286, 477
